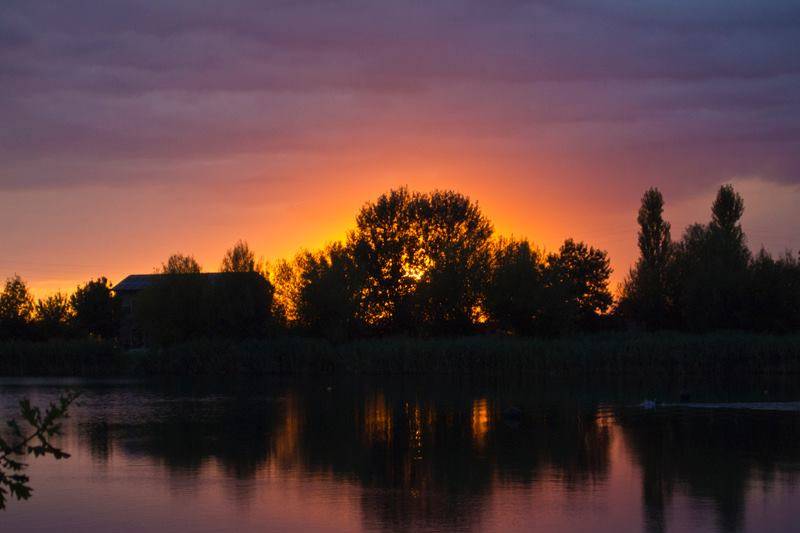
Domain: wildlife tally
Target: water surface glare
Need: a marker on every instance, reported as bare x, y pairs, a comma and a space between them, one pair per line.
413, 454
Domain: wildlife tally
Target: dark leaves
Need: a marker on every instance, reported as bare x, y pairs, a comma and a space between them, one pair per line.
42, 426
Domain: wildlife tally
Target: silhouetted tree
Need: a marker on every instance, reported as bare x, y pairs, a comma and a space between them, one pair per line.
645, 294
455, 251
577, 281
424, 258
16, 309
96, 309
180, 264
240, 258
53, 315
327, 299
710, 268
516, 292
773, 293
386, 248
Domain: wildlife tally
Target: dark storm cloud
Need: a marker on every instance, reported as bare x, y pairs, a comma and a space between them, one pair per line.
678, 86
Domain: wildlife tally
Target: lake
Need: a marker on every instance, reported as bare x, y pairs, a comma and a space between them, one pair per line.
432, 454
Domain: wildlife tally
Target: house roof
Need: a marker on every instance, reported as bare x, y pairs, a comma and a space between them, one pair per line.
137, 282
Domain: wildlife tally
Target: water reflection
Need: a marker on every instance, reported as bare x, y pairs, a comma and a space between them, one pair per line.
447, 457
715, 455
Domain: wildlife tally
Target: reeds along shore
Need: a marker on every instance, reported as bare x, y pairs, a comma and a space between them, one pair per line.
643, 355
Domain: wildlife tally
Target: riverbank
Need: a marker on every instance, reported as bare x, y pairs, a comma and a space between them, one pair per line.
621, 354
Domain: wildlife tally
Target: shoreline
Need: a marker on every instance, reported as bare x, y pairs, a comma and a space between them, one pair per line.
629, 355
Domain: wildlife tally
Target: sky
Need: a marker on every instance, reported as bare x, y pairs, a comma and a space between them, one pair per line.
132, 130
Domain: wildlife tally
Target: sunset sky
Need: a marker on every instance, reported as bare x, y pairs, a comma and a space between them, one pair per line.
131, 131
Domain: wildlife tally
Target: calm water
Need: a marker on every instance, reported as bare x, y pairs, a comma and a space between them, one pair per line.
414, 455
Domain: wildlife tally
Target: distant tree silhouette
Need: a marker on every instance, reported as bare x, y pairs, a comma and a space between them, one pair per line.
241, 258
427, 264
53, 316
96, 310
16, 308
516, 293
329, 288
180, 264
645, 293
711, 268
577, 278
773, 293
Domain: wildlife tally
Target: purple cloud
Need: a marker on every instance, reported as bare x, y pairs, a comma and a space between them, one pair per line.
683, 90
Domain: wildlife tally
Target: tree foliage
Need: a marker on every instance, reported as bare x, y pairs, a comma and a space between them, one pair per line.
96, 311
454, 251
16, 308
241, 258
428, 264
710, 270
328, 293
35, 439
773, 293
709, 279
180, 264
424, 260
645, 294
386, 248
53, 315
516, 295
577, 277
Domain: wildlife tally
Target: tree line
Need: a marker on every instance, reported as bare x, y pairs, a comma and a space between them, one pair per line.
709, 279
430, 264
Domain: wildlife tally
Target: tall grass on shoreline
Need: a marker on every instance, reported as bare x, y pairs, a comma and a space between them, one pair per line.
62, 357
629, 355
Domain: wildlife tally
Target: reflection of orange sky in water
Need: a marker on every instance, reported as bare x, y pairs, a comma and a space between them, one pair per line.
287, 437
480, 422
377, 420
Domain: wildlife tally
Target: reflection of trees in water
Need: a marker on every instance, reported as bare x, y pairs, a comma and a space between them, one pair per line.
96, 435
423, 459
712, 454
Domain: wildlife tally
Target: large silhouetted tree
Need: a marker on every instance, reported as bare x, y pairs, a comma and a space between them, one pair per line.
386, 248
16, 309
454, 247
424, 259
96, 310
516, 293
645, 294
180, 264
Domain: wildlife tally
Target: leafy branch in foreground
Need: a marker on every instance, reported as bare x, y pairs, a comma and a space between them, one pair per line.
35, 441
